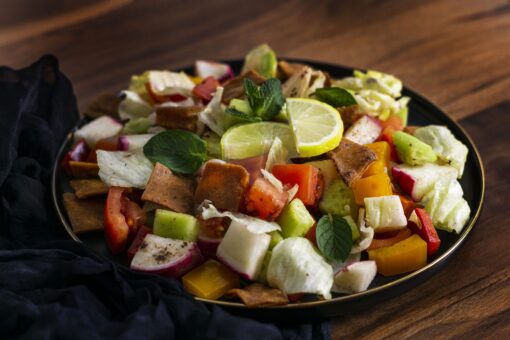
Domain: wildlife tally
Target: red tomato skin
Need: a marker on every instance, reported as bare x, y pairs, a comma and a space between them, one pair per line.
304, 175
265, 201
205, 89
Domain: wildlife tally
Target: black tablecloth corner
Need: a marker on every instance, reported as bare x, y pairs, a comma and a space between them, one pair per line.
54, 288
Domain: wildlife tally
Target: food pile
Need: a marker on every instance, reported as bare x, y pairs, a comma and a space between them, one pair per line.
269, 185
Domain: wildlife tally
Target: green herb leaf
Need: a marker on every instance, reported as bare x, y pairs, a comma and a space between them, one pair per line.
335, 96
334, 237
266, 100
181, 151
239, 117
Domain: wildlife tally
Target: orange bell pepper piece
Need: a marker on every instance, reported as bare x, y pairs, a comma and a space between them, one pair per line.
211, 280
371, 186
402, 257
382, 150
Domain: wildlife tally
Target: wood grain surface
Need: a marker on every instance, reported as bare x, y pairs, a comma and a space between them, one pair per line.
456, 53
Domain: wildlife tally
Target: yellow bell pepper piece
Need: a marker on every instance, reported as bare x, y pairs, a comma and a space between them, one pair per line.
195, 80
371, 186
211, 280
383, 153
402, 257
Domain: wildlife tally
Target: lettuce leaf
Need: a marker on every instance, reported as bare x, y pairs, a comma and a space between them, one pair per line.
128, 169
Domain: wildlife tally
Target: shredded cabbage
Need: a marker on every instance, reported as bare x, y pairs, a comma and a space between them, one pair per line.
295, 267
366, 234
317, 82
449, 149
169, 83
253, 224
278, 154
380, 82
272, 179
214, 115
133, 106
129, 169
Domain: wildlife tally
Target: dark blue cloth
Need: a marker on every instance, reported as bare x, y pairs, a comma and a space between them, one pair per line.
54, 288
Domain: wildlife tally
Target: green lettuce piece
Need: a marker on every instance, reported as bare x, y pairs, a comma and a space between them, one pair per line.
262, 59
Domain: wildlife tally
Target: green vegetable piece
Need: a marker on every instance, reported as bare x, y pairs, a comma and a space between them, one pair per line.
335, 96
175, 225
354, 227
266, 100
213, 142
295, 220
261, 59
276, 237
262, 278
334, 237
411, 150
181, 151
135, 126
240, 105
338, 199
403, 113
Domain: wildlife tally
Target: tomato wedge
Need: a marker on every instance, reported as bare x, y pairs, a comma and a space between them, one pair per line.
306, 176
206, 88
158, 99
122, 219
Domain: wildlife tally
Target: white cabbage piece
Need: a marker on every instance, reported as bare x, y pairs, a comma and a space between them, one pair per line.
133, 106
253, 224
352, 84
295, 267
128, 169
366, 234
214, 115
183, 103
278, 154
355, 277
449, 149
380, 82
272, 179
317, 81
457, 218
378, 104
298, 84
166, 83
99, 128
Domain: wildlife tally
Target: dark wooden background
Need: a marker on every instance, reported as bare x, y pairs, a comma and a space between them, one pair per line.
456, 53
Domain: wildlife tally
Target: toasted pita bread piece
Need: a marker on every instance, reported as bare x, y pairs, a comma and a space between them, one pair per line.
285, 69
350, 115
257, 294
234, 88
352, 160
83, 169
84, 188
178, 117
223, 184
169, 190
86, 215
104, 104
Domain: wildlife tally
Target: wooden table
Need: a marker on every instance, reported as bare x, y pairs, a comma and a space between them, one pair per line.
456, 53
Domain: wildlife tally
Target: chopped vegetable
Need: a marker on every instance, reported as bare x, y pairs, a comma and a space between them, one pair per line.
211, 280
421, 224
385, 213
338, 200
411, 150
364, 131
264, 200
137, 125
356, 277
134, 106
213, 115
295, 220
100, 128
265, 100
128, 169
366, 234
278, 154
175, 225
206, 89
402, 234
382, 163
137, 241
165, 256
78, 153
402, 257
335, 96
261, 59
303, 175
295, 267
371, 186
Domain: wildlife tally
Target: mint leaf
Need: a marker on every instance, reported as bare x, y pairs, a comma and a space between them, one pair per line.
334, 237
240, 117
181, 151
335, 96
266, 100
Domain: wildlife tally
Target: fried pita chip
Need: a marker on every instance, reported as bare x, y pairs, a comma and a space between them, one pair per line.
350, 114
257, 294
234, 88
104, 104
84, 188
178, 117
169, 190
223, 184
285, 69
411, 129
352, 160
83, 169
85, 215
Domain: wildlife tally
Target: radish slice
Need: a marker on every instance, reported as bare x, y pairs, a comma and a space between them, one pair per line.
364, 131
208, 245
165, 256
355, 278
132, 142
100, 128
219, 71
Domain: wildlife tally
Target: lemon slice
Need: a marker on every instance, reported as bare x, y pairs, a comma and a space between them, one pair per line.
317, 127
255, 139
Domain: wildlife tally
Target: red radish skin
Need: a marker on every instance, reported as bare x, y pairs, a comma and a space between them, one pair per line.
208, 246
405, 181
167, 257
137, 241
221, 72
78, 153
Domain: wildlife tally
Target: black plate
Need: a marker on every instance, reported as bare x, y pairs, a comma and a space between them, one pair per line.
421, 112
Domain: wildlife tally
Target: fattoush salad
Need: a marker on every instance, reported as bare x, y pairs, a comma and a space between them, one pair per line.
270, 186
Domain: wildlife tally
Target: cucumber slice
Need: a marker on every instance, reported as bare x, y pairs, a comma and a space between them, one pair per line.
411, 150
338, 199
295, 219
175, 225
